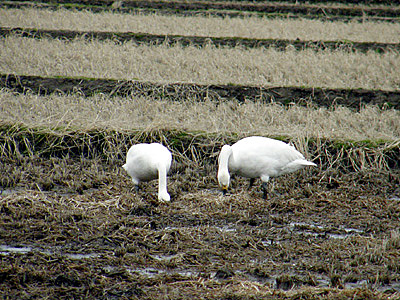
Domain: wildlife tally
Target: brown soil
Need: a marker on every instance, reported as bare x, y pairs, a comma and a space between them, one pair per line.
223, 8
140, 38
75, 228
285, 95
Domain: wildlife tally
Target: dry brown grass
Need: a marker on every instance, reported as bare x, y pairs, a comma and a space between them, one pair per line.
208, 65
251, 27
74, 112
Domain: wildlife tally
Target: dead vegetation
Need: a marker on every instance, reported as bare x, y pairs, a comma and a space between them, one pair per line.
249, 27
232, 9
74, 112
208, 65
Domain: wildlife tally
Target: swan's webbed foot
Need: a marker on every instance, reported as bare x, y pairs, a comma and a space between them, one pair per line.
265, 190
251, 183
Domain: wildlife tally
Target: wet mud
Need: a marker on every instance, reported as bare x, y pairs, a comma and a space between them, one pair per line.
199, 41
76, 228
324, 97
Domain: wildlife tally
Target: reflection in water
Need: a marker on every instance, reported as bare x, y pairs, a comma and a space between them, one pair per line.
5, 249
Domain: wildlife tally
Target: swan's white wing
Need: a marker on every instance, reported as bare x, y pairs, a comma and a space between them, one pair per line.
260, 156
143, 161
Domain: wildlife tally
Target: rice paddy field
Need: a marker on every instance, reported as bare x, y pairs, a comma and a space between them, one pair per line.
72, 224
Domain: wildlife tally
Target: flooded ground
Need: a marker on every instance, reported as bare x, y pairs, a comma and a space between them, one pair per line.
78, 229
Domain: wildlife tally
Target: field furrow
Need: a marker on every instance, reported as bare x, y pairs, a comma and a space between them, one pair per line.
352, 98
152, 39
223, 9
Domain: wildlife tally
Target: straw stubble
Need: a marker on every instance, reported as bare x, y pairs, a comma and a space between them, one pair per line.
73, 112
207, 65
249, 27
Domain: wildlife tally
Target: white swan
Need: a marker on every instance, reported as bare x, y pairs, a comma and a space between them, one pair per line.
258, 157
145, 162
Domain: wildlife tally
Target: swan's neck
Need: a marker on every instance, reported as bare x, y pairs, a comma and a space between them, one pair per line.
162, 184
223, 166
224, 156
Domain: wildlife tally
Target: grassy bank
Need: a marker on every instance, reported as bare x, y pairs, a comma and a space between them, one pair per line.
190, 150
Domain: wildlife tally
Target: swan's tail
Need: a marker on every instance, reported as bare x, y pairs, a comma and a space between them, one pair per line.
304, 162
124, 166
297, 165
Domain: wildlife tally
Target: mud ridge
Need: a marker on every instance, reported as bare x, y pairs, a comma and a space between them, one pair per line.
152, 39
324, 97
222, 9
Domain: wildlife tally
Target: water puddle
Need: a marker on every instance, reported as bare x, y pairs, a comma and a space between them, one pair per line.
151, 272
8, 192
7, 250
225, 229
315, 230
78, 256
147, 272
164, 258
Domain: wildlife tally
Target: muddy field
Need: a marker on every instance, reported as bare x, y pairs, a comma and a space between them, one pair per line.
76, 228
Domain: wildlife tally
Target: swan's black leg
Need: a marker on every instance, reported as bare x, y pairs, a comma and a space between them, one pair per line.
265, 189
251, 183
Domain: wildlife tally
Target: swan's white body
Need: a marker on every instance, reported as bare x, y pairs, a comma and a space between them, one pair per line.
145, 162
258, 157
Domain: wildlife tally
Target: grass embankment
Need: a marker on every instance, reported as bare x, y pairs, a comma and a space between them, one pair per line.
208, 65
195, 131
250, 27
75, 112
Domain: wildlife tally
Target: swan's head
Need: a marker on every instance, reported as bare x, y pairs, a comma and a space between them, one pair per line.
223, 171
224, 181
164, 197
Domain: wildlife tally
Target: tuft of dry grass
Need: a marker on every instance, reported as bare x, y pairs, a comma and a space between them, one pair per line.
208, 65
249, 27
